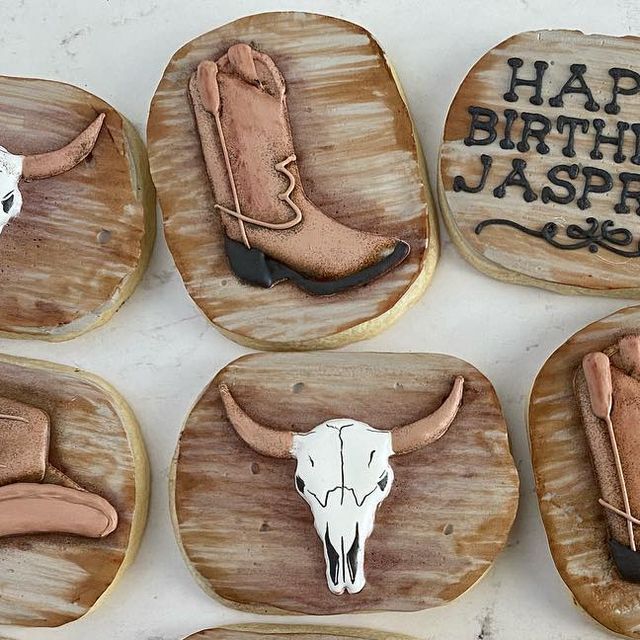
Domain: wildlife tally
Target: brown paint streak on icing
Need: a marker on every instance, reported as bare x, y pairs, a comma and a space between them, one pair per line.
34, 508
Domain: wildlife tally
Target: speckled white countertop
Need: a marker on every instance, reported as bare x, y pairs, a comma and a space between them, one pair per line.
159, 351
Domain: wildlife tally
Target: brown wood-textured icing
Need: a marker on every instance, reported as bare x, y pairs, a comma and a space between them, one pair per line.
295, 632
567, 489
249, 537
506, 253
50, 579
83, 238
359, 161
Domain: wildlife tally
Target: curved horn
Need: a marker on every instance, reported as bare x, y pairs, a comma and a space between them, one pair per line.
47, 165
265, 440
416, 435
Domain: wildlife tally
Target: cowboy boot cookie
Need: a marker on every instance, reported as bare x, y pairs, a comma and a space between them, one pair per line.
273, 231
607, 388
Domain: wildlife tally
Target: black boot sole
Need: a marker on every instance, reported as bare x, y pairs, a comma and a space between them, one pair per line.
254, 267
627, 561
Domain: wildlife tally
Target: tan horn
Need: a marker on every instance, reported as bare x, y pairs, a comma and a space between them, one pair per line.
265, 440
416, 435
53, 163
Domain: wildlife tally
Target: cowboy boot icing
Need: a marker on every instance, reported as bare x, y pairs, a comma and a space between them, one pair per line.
273, 231
609, 400
35, 497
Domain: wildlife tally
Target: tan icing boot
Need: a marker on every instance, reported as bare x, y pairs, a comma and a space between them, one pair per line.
273, 232
607, 388
27, 504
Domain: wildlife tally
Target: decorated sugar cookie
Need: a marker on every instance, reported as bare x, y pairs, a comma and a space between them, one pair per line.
27, 504
297, 189
77, 209
349, 445
583, 426
540, 163
73, 491
292, 632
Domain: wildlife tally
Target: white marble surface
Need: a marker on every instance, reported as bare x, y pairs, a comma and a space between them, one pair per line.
159, 351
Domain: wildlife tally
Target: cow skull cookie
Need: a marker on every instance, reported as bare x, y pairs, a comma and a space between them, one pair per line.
297, 189
583, 422
540, 163
305, 466
73, 491
77, 209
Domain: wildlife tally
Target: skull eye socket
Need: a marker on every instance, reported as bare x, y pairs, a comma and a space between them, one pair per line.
7, 202
382, 483
300, 484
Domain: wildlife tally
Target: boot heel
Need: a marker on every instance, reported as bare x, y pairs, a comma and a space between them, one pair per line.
249, 265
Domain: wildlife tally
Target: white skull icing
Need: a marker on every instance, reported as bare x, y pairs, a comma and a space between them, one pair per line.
343, 473
10, 196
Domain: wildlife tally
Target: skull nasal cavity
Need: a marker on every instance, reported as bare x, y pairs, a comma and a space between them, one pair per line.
300, 484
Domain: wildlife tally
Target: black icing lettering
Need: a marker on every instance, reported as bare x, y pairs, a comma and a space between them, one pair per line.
606, 184
600, 138
460, 184
510, 116
571, 123
576, 84
538, 132
515, 64
548, 195
618, 74
516, 178
482, 119
628, 179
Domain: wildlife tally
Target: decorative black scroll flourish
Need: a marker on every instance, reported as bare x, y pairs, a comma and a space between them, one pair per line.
597, 234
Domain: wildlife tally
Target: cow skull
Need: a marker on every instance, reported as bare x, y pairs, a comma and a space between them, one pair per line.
14, 168
343, 473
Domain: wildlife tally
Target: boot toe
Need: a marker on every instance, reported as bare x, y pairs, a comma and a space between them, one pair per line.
394, 253
627, 561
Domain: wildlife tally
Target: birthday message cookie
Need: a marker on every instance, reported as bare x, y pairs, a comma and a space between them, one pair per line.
294, 198
540, 163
